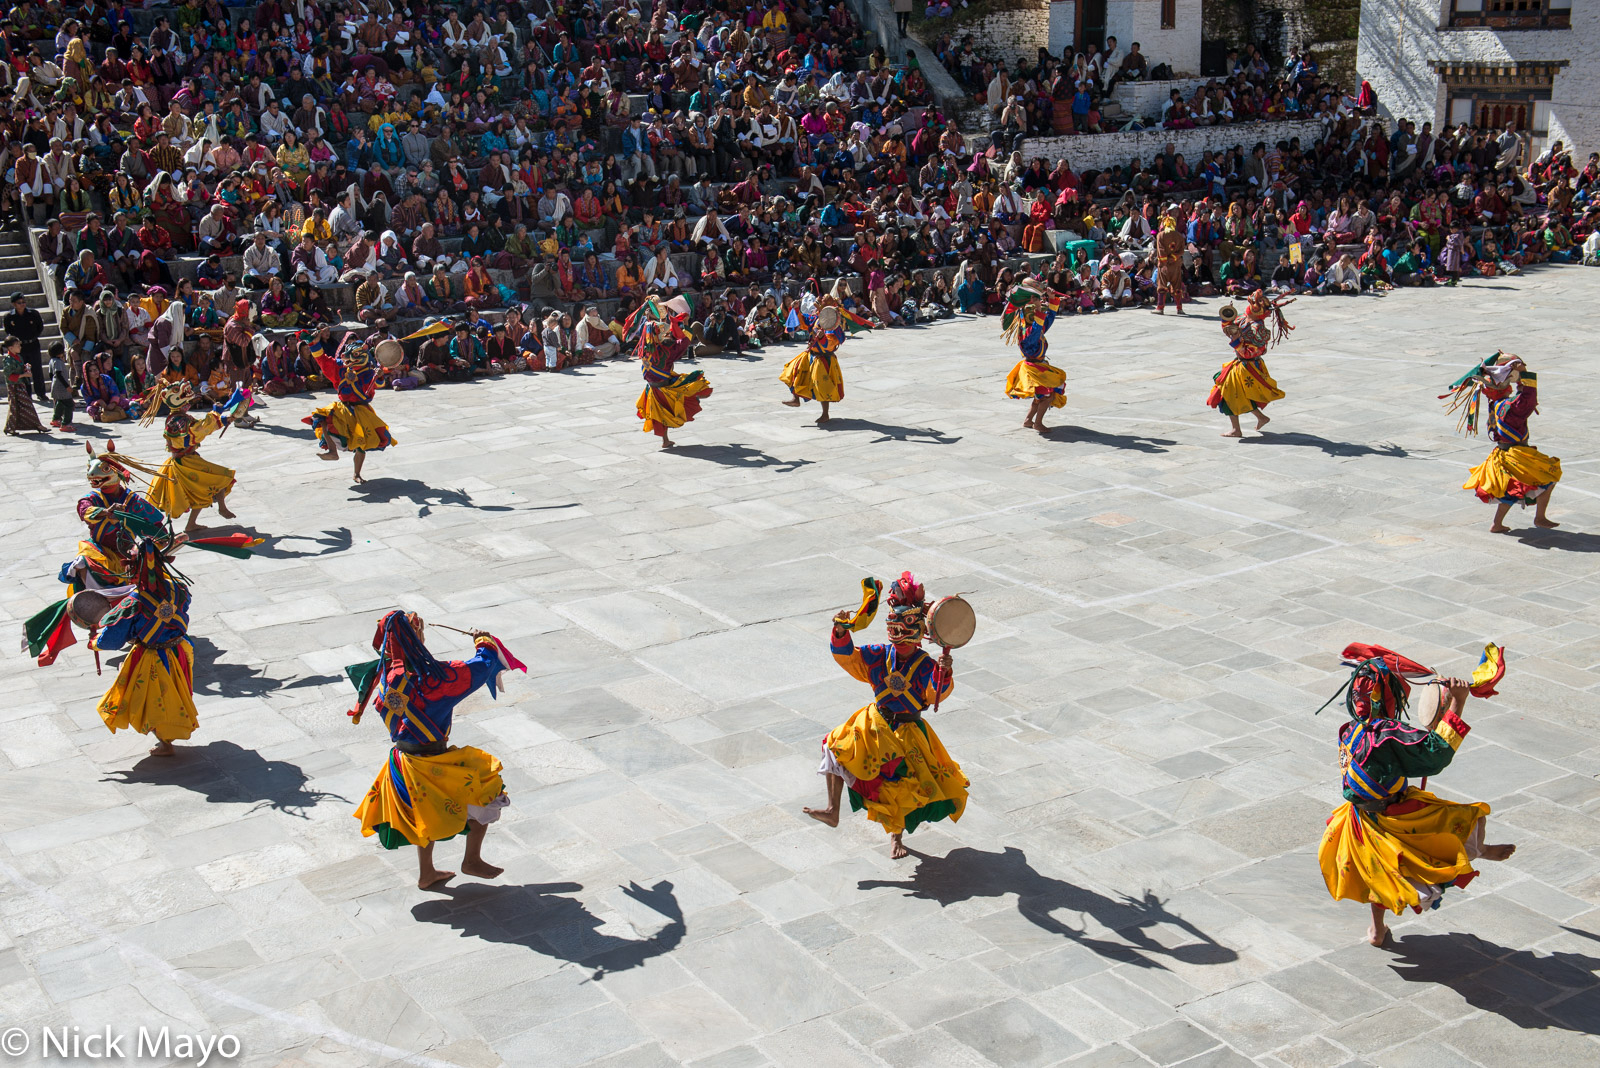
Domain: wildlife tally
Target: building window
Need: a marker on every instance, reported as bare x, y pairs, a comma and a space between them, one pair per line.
1169, 14
1511, 14
1490, 95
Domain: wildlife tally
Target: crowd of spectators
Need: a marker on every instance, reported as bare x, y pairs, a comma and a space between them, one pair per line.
1059, 95
527, 173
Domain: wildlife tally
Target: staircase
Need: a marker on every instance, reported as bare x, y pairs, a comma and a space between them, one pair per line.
20, 274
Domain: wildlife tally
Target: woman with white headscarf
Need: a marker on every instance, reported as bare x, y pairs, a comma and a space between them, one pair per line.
166, 339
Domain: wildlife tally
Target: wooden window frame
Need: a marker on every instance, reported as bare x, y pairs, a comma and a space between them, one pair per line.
1509, 15
1169, 14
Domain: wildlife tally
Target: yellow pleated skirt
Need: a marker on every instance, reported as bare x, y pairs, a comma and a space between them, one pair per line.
669, 407
1029, 380
809, 379
185, 483
1243, 386
1514, 475
351, 427
153, 693
903, 776
417, 800
1372, 858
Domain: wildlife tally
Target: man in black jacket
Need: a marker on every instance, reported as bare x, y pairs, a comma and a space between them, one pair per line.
26, 324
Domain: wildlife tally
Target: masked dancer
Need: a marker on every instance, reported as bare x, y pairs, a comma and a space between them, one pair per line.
669, 400
349, 422
187, 482
886, 753
813, 374
1028, 316
429, 790
1392, 845
1243, 384
154, 688
117, 518
1169, 265
1515, 472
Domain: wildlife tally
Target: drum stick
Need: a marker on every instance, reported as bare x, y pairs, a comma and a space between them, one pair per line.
458, 630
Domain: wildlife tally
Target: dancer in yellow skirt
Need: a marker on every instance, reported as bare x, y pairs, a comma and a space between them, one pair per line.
1393, 845
813, 374
1028, 315
1244, 384
154, 689
669, 400
187, 482
886, 753
1515, 472
349, 422
429, 790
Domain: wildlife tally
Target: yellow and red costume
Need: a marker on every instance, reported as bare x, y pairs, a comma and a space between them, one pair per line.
1244, 384
892, 762
428, 789
1028, 316
669, 400
813, 373
187, 481
154, 689
1392, 843
1515, 472
349, 423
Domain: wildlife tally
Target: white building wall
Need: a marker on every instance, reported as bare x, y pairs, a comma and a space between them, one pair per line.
1099, 151
1140, 20
1063, 25
1400, 38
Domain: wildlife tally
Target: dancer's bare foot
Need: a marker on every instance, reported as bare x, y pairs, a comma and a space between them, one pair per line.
1499, 528
222, 510
1378, 934
327, 455
193, 524
792, 402
359, 481
1498, 852
821, 420
1546, 523
897, 848
479, 869
1233, 433
1158, 311
1261, 420
433, 877
163, 748
666, 442
830, 816
1041, 428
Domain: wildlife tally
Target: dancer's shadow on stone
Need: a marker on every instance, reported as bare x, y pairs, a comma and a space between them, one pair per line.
274, 547
300, 431
1133, 442
213, 678
890, 432
737, 456
382, 490
1572, 541
1332, 448
969, 873
536, 916
1506, 982
227, 773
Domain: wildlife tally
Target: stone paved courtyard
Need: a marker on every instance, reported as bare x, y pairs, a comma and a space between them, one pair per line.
1134, 882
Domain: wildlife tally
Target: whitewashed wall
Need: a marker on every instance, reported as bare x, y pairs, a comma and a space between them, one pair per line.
1400, 37
1098, 151
1140, 20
